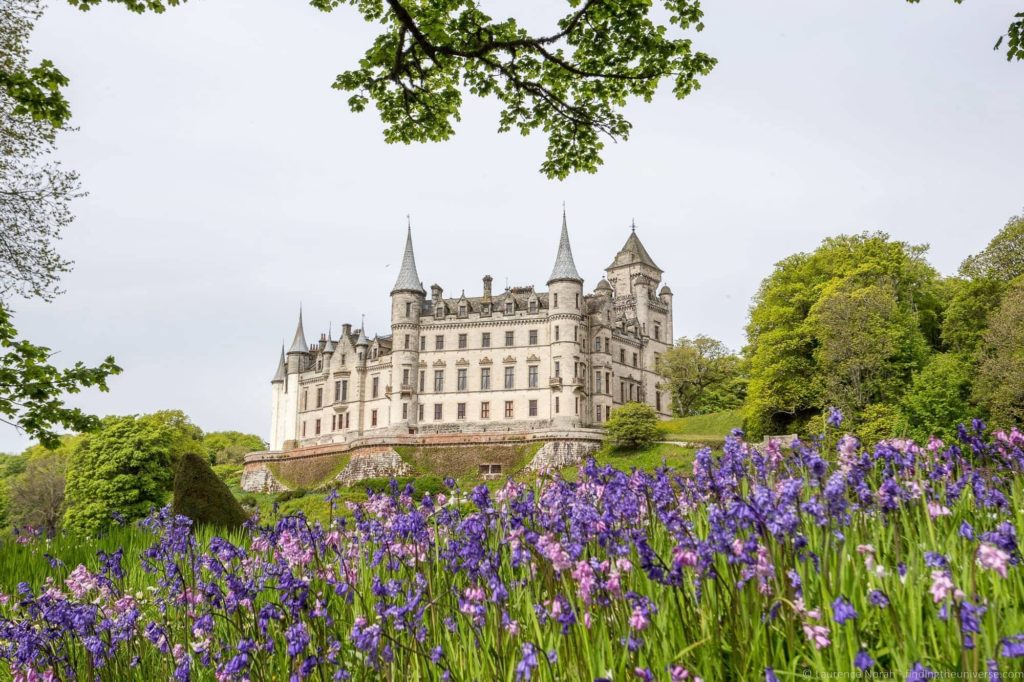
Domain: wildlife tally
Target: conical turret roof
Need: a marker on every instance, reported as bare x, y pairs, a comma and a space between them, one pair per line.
282, 369
408, 278
565, 267
632, 252
361, 341
299, 342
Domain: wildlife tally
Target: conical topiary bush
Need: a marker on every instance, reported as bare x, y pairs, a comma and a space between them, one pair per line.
200, 495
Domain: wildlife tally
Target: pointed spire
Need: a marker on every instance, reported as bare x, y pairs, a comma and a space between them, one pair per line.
299, 342
408, 278
565, 267
282, 368
362, 341
632, 252
329, 348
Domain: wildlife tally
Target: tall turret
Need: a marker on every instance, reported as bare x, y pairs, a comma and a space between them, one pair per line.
297, 352
277, 400
295, 362
407, 298
568, 340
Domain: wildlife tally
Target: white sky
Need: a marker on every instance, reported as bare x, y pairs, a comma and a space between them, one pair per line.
228, 181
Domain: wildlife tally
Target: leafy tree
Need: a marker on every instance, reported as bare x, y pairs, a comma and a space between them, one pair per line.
939, 397
34, 198
880, 421
847, 325
571, 82
999, 384
36, 497
185, 436
966, 315
125, 467
1003, 258
632, 426
201, 496
224, 447
32, 390
703, 376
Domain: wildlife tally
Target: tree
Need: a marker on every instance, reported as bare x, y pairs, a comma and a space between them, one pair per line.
1003, 258
125, 467
632, 426
847, 324
1014, 36
229, 447
966, 315
201, 496
939, 397
999, 384
570, 82
34, 198
36, 497
703, 375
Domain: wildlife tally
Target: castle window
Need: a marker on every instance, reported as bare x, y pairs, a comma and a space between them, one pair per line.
622, 391
533, 408
485, 310
438, 380
460, 411
577, 301
510, 377
305, 399
485, 410
608, 382
533, 306
575, 333
373, 417
317, 427
437, 412
376, 387
343, 358
557, 404
556, 301
607, 412
320, 364
439, 342
558, 332
532, 374
405, 410
320, 397
631, 393
423, 379
461, 380
344, 389
485, 378
360, 356
509, 410
462, 340
558, 369
510, 338
347, 420
597, 344
420, 412
533, 337
373, 353
657, 400
439, 312
337, 391
510, 307
405, 377
406, 342
423, 343
462, 310
634, 359
598, 414
303, 429
622, 355
597, 385
334, 420
577, 405
408, 309
657, 332
485, 340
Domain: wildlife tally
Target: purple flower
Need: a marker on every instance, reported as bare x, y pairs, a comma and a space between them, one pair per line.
527, 664
1013, 646
842, 610
863, 660
835, 417
878, 598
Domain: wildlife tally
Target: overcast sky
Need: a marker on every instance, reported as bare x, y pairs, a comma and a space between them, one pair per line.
228, 182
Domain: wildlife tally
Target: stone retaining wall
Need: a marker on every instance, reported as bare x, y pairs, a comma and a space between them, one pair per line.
257, 478
380, 464
562, 453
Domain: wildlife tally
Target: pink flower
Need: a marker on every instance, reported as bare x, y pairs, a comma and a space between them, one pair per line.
818, 634
81, 581
941, 586
293, 551
991, 557
684, 557
550, 548
638, 619
935, 509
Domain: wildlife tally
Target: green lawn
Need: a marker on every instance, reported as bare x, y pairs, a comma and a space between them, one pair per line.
647, 459
714, 426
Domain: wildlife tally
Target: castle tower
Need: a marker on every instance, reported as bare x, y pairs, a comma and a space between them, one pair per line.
407, 298
277, 407
568, 340
295, 362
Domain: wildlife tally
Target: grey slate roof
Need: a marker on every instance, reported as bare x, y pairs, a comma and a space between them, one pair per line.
633, 251
361, 341
565, 267
281, 373
408, 278
299, 342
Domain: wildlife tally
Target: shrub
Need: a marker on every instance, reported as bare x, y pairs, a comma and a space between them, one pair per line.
632, 426
200, 495
286, 495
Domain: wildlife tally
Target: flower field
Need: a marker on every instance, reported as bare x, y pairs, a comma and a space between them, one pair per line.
768, 565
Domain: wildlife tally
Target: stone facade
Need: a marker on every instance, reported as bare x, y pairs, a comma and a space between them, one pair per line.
515, 361
562, 453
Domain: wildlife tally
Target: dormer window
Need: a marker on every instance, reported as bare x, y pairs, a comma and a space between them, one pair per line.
439, 312
533, 307
486, 309
462, 310
320, 364
509, 307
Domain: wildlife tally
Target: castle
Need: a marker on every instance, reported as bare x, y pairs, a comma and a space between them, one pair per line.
519, 360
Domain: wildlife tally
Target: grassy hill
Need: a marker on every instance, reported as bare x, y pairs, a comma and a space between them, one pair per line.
704, 427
